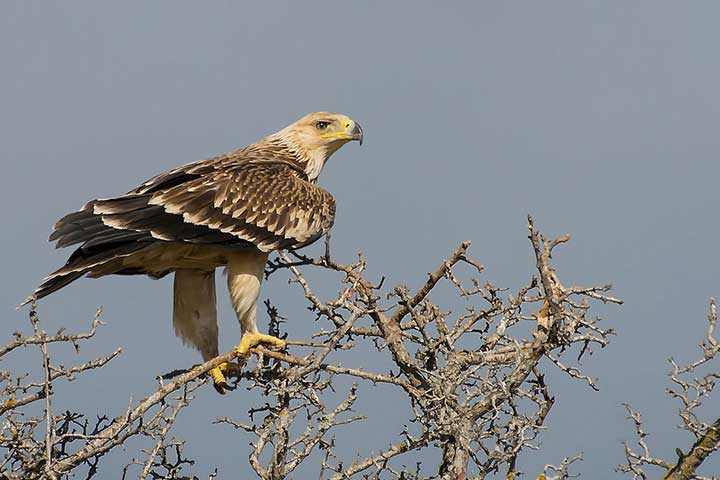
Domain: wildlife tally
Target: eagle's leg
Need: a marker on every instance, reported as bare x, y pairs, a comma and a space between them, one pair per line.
244, 276
195, 319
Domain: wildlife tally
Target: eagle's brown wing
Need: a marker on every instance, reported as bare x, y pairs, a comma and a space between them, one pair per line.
252, 204
268, 205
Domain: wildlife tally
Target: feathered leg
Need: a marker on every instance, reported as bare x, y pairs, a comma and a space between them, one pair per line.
195, 318
194, 311
244, 276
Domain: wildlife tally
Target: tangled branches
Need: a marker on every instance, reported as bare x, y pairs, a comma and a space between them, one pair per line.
475, 388
692, 384
473, 381
51, 445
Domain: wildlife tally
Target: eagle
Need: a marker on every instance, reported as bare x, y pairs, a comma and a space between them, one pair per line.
231, 210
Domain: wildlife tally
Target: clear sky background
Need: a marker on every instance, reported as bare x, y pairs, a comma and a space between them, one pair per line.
599, 118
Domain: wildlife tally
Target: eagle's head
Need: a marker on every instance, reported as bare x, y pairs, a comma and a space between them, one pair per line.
316, 136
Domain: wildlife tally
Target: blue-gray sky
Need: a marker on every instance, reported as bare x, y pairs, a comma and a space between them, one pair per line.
599, 118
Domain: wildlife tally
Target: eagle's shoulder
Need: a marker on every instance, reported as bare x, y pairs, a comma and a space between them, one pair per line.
186, 173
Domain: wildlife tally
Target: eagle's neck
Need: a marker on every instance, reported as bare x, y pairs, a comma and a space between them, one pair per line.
311, 160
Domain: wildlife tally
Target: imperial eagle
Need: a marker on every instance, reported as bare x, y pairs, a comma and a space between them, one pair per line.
231, 210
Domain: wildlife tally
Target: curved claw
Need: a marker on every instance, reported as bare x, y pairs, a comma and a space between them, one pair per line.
219, 373
233, 369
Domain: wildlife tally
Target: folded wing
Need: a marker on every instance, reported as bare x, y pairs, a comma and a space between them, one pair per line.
254, 204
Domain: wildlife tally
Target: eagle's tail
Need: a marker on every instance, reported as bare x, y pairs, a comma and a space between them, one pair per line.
100, 244
83, 261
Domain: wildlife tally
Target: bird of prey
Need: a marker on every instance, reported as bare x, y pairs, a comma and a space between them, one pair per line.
230, 210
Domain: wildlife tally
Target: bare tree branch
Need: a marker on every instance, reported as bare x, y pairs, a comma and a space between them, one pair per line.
473, 380
690, 389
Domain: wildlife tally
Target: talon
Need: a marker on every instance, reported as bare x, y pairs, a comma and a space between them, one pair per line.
233, 369
218, 374
219, 382
251, 340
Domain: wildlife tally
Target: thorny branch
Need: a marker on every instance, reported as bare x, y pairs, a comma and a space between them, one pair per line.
469, 366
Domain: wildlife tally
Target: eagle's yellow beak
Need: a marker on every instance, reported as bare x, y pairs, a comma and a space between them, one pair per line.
351, 131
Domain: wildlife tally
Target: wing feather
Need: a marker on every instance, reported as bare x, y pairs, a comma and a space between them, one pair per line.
266, 204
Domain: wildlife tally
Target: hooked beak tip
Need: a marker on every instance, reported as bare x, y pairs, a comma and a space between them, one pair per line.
357, 133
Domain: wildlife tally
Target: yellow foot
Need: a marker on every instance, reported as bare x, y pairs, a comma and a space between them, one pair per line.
218, 374
251, 340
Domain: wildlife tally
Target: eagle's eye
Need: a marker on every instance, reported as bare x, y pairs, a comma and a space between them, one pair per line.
322, 125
